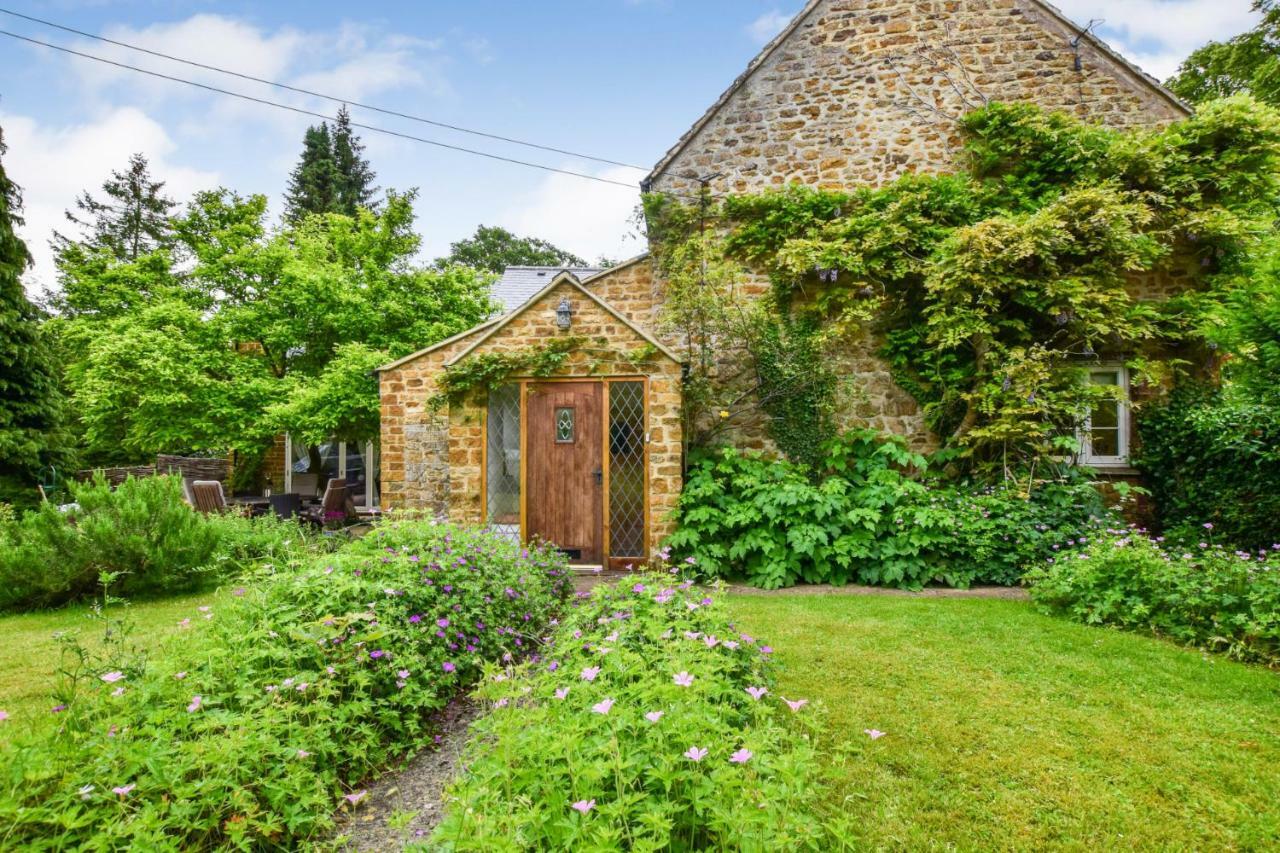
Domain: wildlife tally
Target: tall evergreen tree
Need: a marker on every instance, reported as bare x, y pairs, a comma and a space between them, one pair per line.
131, 221
30, 401
355, 175
313, 185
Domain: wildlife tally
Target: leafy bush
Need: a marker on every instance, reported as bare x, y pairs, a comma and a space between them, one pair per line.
1205, 596
1209, 458
248, 730
141, 531
635, 730
867, 520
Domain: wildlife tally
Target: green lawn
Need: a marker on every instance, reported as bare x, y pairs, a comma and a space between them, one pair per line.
1007, 729
29, 653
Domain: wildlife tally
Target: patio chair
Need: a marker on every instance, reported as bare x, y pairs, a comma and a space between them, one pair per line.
207, 496
306, 485
287, 505
335, 504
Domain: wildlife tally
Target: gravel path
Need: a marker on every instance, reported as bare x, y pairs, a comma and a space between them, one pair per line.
405, 805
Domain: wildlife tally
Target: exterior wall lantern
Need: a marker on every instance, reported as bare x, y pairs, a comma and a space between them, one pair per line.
564, 313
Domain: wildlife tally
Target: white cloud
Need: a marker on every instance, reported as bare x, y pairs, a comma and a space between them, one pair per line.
768, 25
54, 164
1158, 34
587, 218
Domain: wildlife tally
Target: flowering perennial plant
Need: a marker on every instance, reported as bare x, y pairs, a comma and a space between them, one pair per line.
664, 748
251, 728
1200, 594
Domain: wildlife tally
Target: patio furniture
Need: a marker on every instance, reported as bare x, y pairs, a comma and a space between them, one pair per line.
306, 485
335, 506
207, 496
286, 505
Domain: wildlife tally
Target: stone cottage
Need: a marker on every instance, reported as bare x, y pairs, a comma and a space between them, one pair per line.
588, 453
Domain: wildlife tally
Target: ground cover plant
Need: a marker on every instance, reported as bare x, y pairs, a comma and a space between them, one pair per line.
1006, 729
647, 723
1200, 594
251, 728
142, 532
871, 514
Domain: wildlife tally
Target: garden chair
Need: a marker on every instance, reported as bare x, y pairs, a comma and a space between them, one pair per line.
306, 485
287, 505
207, 496
335, 506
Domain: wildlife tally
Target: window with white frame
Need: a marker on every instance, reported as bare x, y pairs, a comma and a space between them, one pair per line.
1104, 435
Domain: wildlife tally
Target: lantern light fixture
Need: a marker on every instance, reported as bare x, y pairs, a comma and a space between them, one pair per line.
564, 313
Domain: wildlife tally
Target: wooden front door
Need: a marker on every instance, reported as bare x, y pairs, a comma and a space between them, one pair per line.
564, 501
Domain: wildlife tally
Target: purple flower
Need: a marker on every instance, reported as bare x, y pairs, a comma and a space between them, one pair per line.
683, 679
874, 734
404, 673
653, 716
562, 692
638, 588
111, 677
124, 790
356, 797
415, 619
590, 673
57, 709
796, 705
1208, 525
377, 653
448, 666
180, 675
195, 704
602, 707
584, 806
756, 692
766, 650
742, 756
442, 622
4, 715
693, 753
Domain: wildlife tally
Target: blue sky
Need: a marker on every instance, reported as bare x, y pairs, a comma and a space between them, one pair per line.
622, 79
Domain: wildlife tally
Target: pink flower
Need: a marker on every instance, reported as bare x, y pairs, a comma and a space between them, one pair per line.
796, 705
4, 715
584, 806
448, 666
124, 790
562, 692
756, 692
195, 704
179, 675
742, 756
683, 679
356, 797
111, 677
602, 707
119, 691
404, 673
711, 641
184, 623
874, 734
302, 753
653, 716
693, 753
204, 608
590, 673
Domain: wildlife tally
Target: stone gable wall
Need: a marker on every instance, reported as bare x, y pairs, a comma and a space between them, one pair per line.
861, 91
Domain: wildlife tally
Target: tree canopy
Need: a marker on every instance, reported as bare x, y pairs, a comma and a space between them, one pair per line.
1248, 63
332, 175
493, 249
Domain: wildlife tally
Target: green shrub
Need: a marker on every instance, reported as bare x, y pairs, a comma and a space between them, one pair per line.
1208, 458
866, 519
1205, 595
248, 730
588, 747
142, 532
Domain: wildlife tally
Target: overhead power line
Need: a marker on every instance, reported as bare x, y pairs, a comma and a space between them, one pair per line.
321, 95
313, 114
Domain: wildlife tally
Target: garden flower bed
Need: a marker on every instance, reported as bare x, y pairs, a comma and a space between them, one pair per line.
263, 717
648, 723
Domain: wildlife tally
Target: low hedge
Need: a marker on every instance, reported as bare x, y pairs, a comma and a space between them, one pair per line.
1203, 595
249, 730
648, 723
142, 532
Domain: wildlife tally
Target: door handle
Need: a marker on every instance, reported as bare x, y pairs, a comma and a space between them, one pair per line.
599, 475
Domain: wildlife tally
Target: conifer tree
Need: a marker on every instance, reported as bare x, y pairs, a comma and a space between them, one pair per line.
313, 185
355, 176
30, 401
131, 221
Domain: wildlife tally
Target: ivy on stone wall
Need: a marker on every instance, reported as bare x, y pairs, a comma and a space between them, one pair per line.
990, 288
488, 371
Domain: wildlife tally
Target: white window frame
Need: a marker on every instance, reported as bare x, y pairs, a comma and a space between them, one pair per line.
370, 465
1085, 432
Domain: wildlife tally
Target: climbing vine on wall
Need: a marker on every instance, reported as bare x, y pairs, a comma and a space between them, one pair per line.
992, 288
488, 371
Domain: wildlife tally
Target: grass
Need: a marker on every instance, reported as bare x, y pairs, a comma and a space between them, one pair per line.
29, 653
1007, 729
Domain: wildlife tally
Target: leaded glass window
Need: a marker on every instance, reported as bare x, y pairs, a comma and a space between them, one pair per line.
564, 426
502, 474
626, 469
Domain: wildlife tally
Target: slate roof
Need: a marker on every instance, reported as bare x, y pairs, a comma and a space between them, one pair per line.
520, 284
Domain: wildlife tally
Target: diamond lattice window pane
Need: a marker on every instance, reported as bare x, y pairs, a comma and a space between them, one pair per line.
564, 426
502, 474
626, 469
